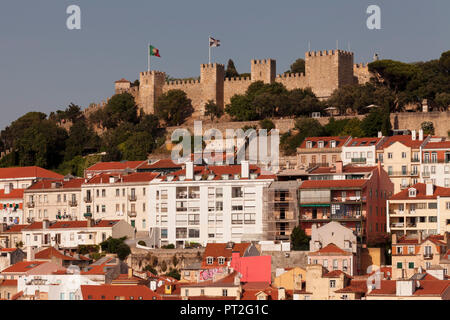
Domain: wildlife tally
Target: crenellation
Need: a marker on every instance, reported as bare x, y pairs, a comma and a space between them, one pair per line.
325, 71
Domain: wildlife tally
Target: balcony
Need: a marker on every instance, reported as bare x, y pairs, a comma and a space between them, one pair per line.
88, 215
132, 197
397, 225
399, 173
132, 213
427, 256
426, 174
87, 199
415, 160
73, 203
30, 204
359, 160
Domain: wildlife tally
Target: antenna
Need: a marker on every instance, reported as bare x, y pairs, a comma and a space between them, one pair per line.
309, 46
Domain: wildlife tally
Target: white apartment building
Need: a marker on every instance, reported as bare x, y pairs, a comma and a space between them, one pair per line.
436, 163
71, 234
11, 206
361, 151
23, 177
116, 196
206, 204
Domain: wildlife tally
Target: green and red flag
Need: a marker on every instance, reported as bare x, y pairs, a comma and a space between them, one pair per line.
154, 51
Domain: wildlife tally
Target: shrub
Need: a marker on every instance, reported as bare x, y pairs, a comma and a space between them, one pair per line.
142, 243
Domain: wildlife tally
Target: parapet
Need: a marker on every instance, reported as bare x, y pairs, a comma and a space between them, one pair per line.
182, 82
360, 65
152, 72
237, 79
329, 53
211, 65
290, 75
262, 61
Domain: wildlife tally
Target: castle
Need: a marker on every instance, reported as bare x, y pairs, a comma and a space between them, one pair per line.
325, 71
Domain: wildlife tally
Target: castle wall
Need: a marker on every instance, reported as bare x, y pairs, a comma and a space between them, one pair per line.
293, 81
234, 86
361, 73
192, 88
264, 70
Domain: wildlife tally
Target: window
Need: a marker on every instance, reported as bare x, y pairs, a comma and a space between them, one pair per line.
399, 265
389, 155
209, 260
117, 192
224, 292
410, 250
335, 264
103, 193
325, 263
399, 250
403, 155
411, 265
221, 260
432, 205
103, 208
348, 155
236, 192
332, 283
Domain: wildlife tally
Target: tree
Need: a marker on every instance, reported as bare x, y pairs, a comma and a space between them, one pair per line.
443, 99
299, 239
267, 124
123, 251
175, 260
444, 61
163, 266
138, 146
174, 107
174, 273
427, 127
81, 137
377, 120
151, 269
298, 66
120, 108
396, 74
231, 71
212, 110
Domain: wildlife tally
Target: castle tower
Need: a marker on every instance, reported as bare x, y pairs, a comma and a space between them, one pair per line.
122, 85
150, 88
328, 71
264, 70
212, 84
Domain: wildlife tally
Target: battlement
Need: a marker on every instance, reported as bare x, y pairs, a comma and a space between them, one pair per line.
329, 53
360, 65
262, 61
153, 72
182, 82
211, 65
291, 75
236, 79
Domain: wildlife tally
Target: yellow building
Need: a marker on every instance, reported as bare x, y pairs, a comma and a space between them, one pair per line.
290, 279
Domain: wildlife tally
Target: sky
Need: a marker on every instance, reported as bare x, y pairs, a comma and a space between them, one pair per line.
45, 67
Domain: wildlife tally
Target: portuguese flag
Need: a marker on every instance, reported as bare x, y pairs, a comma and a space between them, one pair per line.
154, 51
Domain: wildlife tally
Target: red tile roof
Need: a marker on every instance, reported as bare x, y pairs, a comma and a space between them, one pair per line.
133, 177
405, 140
326, 184
122, 80
161, 164
28, 172
72, 224
227, 281
8, 283
250, 291
47, 184
336, 274
13, 194
16, 228
355, 286
427, 288
346, 169
51, 252
363, 142
421, 193
110, 292
217, 250
437, 145
8, 249
23, 266
330, 249
105, 166
327, 140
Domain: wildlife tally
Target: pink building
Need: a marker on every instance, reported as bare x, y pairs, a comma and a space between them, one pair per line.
252, 269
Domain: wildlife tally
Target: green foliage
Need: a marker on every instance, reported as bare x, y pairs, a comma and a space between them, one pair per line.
305, 127
267, 124
174, 273
123, 251
151, 269
173, 107
169, 246
19, 244
117, 246
231, 71
377, 120
120, 108
142, 243
163, 266
175, 260
353, 128
427, 127
396, 74
212, 110
87, 249
299, 239
298, 66
444, 61
138, 146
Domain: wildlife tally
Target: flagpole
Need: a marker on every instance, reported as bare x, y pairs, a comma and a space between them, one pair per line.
209, 47
148, 58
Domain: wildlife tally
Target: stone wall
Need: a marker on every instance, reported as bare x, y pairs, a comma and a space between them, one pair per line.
413, 121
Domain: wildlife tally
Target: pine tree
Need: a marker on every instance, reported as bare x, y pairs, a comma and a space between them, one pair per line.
231, 70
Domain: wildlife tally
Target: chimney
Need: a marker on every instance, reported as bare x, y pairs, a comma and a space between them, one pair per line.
413, 135
405, 288
8, 188
430, 189
420, 236
420, 135
45, 224
339, 167
130, 273
394, 238
380, 134
245, 169
190, 170
447, 239
30, 254
281, 294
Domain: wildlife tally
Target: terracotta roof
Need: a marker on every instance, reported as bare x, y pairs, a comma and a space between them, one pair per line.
326, 184
28, 172
8, 249
421, 193
161, 164
227, 281
133, 177
13, 194
51, 252
250, 291
73, 224
363, 142
336, 274
23, 266
104, 166
47, 184
122, 80
345, 169
330, 249
437, 145
403, 139
327, 140
427, 288
200, 298
16, 228
8, 283
217, 250
110, 292
17, 295
355, 286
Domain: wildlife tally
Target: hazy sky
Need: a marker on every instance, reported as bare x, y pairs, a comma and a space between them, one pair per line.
44, 66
